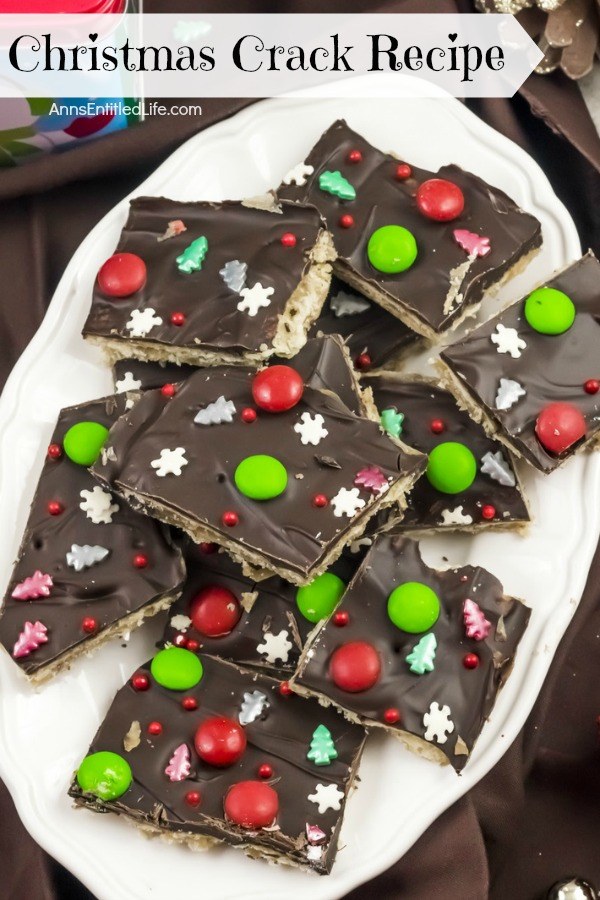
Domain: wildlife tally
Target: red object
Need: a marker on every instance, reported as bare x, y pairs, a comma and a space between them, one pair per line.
592, 386
355, 156
251, 804
470, 661
177, 318
84, 126
288, 239
285, 689
403, 171
220, 741
122, 275
207, 547
55, 508
346, 221
189, 704
248, 415
265, 771
559, 426
355, 667
54, 451
192, 645
277, 388
488, 511
89, 625
140, 682
193, 798
391, 716
363, 362
320, 500
437, 426
230, 518
341, 618
154, 728
180, 640
440, 200
140, 560
215, 611
168, 390
74, 7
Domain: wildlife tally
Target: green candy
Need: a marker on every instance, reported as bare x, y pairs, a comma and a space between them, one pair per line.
83, 442
413, 607
106, 775
260, 477
391, 421
193, 256
318, 599
451, 468
392, 249
335, 184
176, 669
549, 311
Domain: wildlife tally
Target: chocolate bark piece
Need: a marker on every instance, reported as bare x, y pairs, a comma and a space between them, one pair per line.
279, 731
431, 417
164, 461
440, 713
505, 373
264, 303
269, 629
98, 568
445, 282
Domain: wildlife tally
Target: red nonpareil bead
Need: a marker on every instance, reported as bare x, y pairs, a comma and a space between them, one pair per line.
277, 388
265, 771
230, 518
285, 689
220, 741
140, 561
177, 318
192, 645
140, 682
437, 426
592, 386
54, 508
341, 618
288, 239
403, 171
363, 362
122, 275
180, 640
470, 660
320, 500
355, 156
488, 511
207, 547
168, 390
248, 415
189, 703
155, 728
54, 451
193, 798
89, 625
391, 716
346, 221
355, 667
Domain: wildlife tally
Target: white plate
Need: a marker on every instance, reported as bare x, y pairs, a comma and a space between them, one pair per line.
43, 735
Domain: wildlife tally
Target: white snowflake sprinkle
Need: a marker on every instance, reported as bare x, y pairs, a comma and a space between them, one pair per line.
254, 298
297, 175
438, 723
142, 321
344, 304
456, 517
98, 505
507, 340
495, 465
127, 383
180, 622
170, 462
327, 797
509, 392
275, 647
310, 428
347, 502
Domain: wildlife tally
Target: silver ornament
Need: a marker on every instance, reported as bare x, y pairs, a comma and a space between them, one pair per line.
572, 889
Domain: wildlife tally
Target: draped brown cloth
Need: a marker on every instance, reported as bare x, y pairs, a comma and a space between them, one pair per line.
534, 819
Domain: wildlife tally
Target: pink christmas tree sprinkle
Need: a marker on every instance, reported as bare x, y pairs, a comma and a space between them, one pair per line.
173, 229
314, 834
373, 479
33, 635
179, 764
476, 624
472, 243
32, 588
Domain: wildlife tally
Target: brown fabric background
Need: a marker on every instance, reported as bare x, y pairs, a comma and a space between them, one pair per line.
534, 818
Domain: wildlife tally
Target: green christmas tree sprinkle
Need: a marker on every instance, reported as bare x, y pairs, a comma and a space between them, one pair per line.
322, 749
421, 658
193, 256
391, 421
334, 183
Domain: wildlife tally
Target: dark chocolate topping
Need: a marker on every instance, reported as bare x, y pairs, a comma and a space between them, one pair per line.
469, 693
381, 199
107, 591
550, 368
280, 737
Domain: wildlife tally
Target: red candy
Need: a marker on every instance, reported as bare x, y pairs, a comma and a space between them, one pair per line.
54, 508
265, 771
220, 741
403, 171
355, 156
363, 362
248, 415
122, 275
470, 660
207, 547
592, 386
189, 704
391, 716
140, 560
277, 388
155, 728
488, 511
192, 645
285, 689
89, 625
177, 318
230, 518
251, 804
320, 501
355, 667
215, 611
559, 426
193, 798
168, 390
341, 618
437, 426
288, 239
346, 221
140, 682
180, 640
440, 200
54, 451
